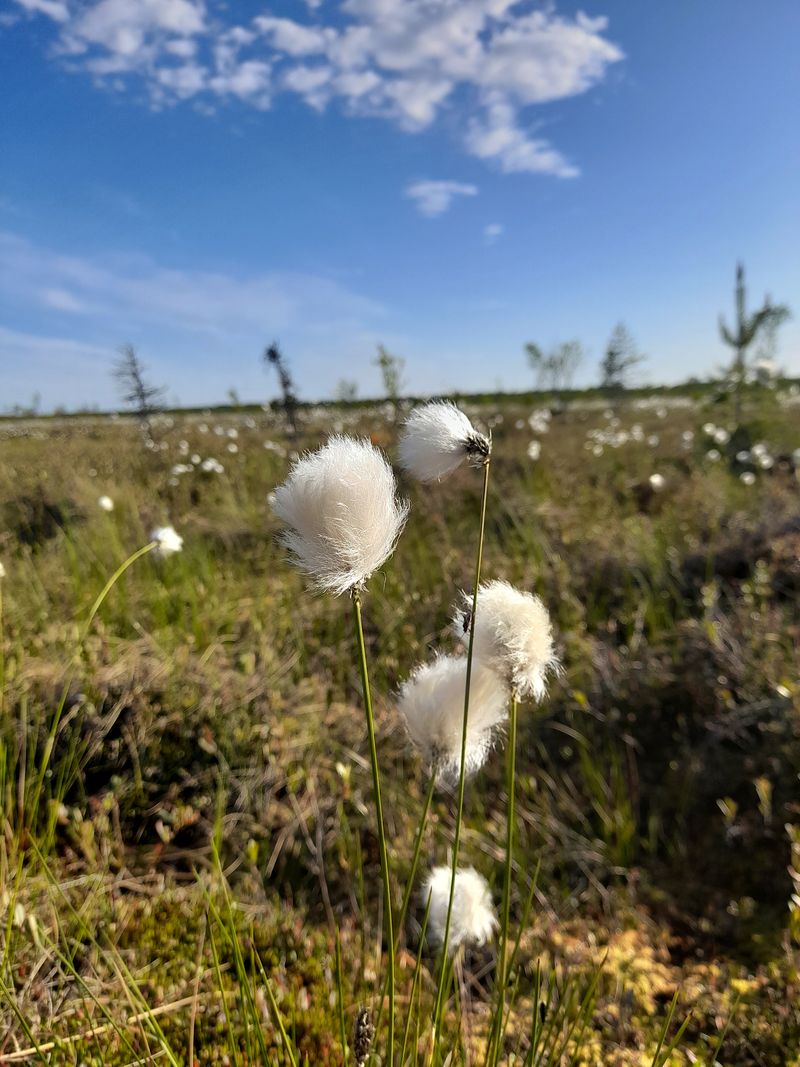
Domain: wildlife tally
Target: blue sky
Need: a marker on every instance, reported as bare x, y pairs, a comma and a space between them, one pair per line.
449, 177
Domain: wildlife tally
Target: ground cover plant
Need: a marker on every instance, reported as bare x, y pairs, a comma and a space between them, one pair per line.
190, 862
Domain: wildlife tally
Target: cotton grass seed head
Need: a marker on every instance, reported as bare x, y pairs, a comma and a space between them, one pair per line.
105, 503
168, 542
473, 920
513, 636
342, 513
437, 438
432, 705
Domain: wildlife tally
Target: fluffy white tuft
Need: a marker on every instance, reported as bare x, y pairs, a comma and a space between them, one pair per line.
473, 919
437, 438
2, 571
167, 541
513, 636
105, 503
343, 515
432, 704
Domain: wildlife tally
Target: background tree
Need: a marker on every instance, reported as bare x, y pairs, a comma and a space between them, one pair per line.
556, 369
621, 356
391, 368
135, 390
273, 357
346, 389
761, 324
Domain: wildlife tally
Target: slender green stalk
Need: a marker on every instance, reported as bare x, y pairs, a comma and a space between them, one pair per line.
502, 976
401, 918
462, 776
340, 1001
376, 787
51, 737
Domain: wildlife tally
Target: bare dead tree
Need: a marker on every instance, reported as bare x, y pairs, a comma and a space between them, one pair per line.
273, 357
135, 390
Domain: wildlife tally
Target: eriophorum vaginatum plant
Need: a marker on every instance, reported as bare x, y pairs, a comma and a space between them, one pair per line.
512, 634
431, 703
437, 438
473, 920
342, 513
343, 518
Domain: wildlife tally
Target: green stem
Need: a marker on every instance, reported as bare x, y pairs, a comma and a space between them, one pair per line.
376, 786
502, 976
401, 918
462, 777
51, 736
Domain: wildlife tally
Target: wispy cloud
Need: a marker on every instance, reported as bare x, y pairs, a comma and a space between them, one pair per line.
435, 197
490, 60
213, 320
492, 232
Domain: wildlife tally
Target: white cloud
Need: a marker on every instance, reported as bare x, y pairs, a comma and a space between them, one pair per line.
435, 197
497, 136
487, 60
492, 232
61, 300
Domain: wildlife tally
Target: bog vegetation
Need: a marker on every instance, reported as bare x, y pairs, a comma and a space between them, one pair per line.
192, 869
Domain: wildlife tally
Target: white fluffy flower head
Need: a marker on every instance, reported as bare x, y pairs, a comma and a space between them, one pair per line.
2, 571
343, 515
437, 438
432, 705
473, 920
513, 636
168, 541
105, 503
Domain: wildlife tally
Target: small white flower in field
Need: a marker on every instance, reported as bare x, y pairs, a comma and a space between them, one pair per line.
167, 541
519, 424
759, 449
713, 454
721, 436
203, 427
180, 468
92, 472
597, 450
796, 456
534, 450
661, 413
431, 702
709, 429
657, 482
513, 636
105, 503
211, 466
748, 477
233, 448
2, 571
183, 448
219, 431
195, 458
766, 462
653, 440
437, 438
233, 434
744, 456
343, 515
688, 436
473, 920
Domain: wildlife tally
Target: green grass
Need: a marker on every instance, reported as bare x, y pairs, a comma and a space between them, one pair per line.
177, 864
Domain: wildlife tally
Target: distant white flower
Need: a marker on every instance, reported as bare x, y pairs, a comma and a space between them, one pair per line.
432, 705
105, 503
688, 436
721, 436
472, 920
657, 482
2, 571
653, 440
195, 458
437, 438
233, 448
748, 477
713, 455
760, 449
211, 466
766, 462
709, 429
534, 450
519, 424
167, 541
744, 456
344, 517
181, 468
597, 450
513, 636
